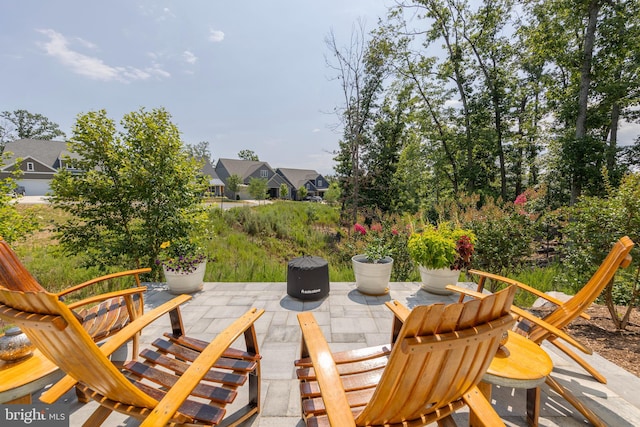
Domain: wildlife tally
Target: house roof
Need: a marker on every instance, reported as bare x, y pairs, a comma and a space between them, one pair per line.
299, 177
42, 151
242, 168
208, 170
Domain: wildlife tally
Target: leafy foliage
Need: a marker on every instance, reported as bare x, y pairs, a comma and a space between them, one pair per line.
248, 155
129, 191
596, 223
443, 246
181, 256
13, 224
21, 124
258, 188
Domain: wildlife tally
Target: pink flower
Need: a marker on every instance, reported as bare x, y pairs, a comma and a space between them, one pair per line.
360, 229
521, 199
376, 227
394, 232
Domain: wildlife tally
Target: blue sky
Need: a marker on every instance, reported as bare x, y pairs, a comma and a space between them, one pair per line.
240, 75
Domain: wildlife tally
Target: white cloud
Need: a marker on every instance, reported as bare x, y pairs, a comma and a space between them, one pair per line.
189, 57
86, 43
215, 36
316, 130
92, 67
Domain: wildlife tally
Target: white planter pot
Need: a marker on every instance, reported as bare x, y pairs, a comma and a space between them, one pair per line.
185, 283
435, 281
372, 279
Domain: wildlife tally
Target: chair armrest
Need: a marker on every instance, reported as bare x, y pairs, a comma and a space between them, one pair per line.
115, 342
179, 392
333, 394
530, 317
400, 311
400, 314
134, 273
551, 329
524, 287
103, 297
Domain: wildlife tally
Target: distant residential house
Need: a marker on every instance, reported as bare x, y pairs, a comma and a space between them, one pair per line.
247, 169
40, 160
216, 186
315, 183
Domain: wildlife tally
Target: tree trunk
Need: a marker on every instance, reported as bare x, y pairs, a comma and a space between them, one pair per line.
583, 98
613, 136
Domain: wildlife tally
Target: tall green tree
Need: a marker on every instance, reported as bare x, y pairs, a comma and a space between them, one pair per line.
590, 52
381, 155
233, 184
248, 155
21, 124
258, 188
359, 68
137, 188
199, 151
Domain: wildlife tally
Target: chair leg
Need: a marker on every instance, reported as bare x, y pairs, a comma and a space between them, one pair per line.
135, 346
447, 422
82, 397
579, 360
483, 413
569, 397
98, 417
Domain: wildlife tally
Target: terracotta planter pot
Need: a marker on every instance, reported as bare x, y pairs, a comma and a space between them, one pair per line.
435, 281
185, 283
372, 278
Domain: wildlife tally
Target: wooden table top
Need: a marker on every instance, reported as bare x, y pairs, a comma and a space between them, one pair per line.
24, 377
523, 365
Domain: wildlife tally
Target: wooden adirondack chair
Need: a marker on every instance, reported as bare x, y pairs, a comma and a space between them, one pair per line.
101, 315
438, 355
551, 327
159, 390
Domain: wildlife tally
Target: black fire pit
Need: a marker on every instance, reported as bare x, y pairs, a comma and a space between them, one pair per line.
308, 278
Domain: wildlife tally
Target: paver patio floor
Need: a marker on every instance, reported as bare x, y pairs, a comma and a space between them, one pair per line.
352, 320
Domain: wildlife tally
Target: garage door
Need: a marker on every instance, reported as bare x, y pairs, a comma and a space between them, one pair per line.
35, 187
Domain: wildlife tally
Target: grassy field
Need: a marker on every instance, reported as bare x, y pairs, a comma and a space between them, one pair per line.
249, 244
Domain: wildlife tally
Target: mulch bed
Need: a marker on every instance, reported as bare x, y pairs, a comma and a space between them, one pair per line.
599, 333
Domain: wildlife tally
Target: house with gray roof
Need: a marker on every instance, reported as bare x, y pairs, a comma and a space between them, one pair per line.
315, 183
216, 186
39, 162
247, 169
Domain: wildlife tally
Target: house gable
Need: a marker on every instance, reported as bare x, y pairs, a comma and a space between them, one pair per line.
308, 178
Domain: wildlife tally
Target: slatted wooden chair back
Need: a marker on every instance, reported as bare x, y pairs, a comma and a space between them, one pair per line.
56, 331
440, 353
13, 274
567, 312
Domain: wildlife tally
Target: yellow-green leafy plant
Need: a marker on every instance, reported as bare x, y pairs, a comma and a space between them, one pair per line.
443, 246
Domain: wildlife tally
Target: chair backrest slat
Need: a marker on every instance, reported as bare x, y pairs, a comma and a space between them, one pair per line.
13, 274
441, 351
567, 312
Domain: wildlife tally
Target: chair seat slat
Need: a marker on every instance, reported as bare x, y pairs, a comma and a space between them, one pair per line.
190, 355
227, 378
166, 379
199, 345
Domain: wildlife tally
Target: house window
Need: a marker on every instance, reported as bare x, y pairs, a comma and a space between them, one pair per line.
264, 173
319, 182
30, 167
